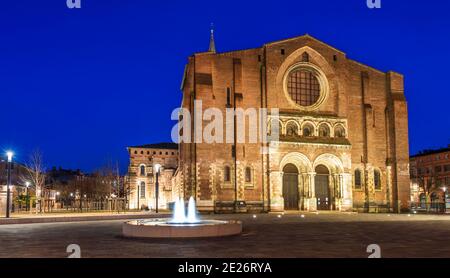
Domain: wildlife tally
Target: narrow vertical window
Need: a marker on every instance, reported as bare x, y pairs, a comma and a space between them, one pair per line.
227, 174
248, 174
142, 170
142, 193
377, 179
358, 180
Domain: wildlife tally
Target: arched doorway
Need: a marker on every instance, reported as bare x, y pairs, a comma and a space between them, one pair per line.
290, 187
322, 188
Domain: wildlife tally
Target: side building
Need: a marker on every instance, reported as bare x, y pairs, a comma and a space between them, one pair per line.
141, 179
430, 180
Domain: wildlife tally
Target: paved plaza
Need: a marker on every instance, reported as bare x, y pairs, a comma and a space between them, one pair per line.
267, 235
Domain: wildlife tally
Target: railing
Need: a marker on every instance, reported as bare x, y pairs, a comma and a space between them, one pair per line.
381, 207
432, 208
116, 204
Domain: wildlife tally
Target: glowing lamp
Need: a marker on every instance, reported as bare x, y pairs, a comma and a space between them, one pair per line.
10, 155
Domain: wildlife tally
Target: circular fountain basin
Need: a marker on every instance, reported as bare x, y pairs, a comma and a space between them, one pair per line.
164, 228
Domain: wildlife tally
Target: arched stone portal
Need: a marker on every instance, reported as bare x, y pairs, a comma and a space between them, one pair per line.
322, 184
290, 187
291, 164
329, 170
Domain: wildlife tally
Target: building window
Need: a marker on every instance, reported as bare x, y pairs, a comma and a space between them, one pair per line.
447, 168
142, 191
292, 129
438, 169
377, 179
142, 170
305, 57
358, 179
227, 174
303, 87
248, 174
308, 130
339, 132
324, 130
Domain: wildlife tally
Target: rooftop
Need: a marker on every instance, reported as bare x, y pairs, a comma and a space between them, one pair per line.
430, 152
165, 146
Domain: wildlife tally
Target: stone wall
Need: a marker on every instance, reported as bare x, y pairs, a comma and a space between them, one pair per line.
369, 104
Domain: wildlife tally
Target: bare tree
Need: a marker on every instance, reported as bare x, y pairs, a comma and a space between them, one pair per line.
36, 175
428, 183
110, 175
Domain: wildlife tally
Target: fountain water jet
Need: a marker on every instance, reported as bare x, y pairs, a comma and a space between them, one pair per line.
181, 225
192, 214
179, 216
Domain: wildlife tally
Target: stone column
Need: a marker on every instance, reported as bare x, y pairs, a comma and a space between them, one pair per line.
370, 190
312, 200
347, 192
336, 184
301, 191
276, 191
389, 195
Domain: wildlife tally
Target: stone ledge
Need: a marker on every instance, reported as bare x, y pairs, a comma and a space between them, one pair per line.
64, 219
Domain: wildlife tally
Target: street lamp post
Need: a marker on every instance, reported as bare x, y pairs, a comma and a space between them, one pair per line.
72, 201
445, 198
27, 185
56, 199
157, 168
8, 184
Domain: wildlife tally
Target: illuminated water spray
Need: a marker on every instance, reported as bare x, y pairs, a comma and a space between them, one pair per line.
179, 215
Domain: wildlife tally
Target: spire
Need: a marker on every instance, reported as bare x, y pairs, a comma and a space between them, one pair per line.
212, 44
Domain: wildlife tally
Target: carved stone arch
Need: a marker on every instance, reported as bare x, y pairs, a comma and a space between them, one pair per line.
280, 122
332, 162
292, 122
312, 124
339, 126
300, 160
327, 126
314, 57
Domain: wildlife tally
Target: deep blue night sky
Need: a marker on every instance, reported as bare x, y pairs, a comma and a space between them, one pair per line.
81, 85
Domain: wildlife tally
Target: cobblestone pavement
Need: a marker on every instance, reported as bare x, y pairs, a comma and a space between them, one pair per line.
315, 235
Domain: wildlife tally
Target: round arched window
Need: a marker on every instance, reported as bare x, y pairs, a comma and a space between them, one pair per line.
306, 86
303, 87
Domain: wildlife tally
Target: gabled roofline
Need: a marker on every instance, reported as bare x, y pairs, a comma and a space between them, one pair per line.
295, 38
304, 36
183, 81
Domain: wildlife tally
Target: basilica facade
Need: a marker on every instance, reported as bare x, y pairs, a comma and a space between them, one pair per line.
343, 132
